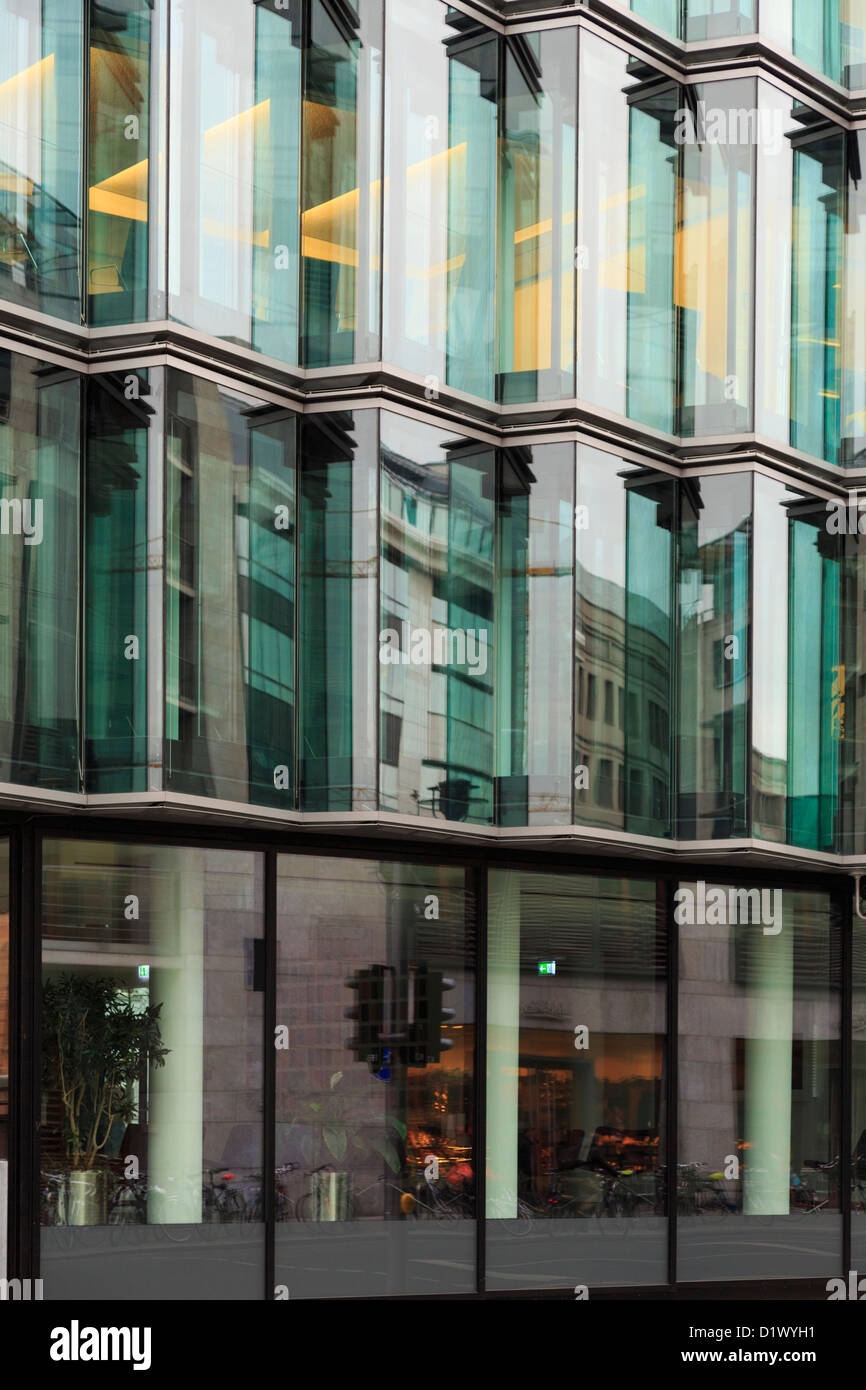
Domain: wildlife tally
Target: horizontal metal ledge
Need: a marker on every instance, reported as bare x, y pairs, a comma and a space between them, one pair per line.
380, 386
174, 807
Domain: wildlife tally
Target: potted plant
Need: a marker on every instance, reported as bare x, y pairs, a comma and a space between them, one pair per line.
96, 1046
332, 1114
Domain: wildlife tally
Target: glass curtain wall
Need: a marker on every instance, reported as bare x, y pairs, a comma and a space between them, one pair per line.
375, 1179
151, 1135
40, 427
436, 647
119, 161
230, 595
440, 197
797, 724
41, 138
759, 1124
118, 423
714, 656
576, 1069
537, 259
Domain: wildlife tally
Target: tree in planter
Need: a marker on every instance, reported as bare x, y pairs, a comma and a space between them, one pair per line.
96, 1046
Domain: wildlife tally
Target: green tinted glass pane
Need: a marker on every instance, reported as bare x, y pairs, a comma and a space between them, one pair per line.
535, 670
115, 629
853, 415
719, 19
665, 13
718, 132
234, 109
39, 526
536, 217
41, 121
230, 558
440, 196
118, 162
715, 529
816, 315
339, 619
625, 240
270, 603
647, 717
276, 139
797, 707
817, 35
651, 333
341, 184
814, 728
436, 638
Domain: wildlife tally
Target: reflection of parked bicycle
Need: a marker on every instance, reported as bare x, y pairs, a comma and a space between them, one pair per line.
220, 1201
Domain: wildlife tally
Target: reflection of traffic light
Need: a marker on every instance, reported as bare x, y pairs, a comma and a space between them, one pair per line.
369, 1013
430, 985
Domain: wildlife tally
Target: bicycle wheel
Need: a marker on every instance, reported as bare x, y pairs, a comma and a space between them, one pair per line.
232, 1206
304, 1207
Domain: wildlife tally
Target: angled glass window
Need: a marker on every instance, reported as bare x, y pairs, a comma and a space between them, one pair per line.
665, 13
41, 129
119, 162
230, 595
759, 1125
40, 424
115, 627
774, 193
233, 179
375, 1149
650, 635
797, 727
625, 252
719, 19
341, 216
440, 196
537, 152
714, 666
436, 648
623, 695
4, 1050
853, 415
848, 707
718, 131
535, 619
830, 35
159, 948
858, 1095
816, 296
339, 617
577, 1060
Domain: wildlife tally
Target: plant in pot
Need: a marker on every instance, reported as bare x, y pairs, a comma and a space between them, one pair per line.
344, 1137
96, 1046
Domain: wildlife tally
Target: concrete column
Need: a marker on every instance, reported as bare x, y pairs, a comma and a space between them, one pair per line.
769, 1020
503, 1041
177, 1089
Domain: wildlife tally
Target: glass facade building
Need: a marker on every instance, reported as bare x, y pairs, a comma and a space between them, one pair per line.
432, 647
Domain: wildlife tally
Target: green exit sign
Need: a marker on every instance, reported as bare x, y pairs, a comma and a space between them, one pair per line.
547, 967
144, 972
